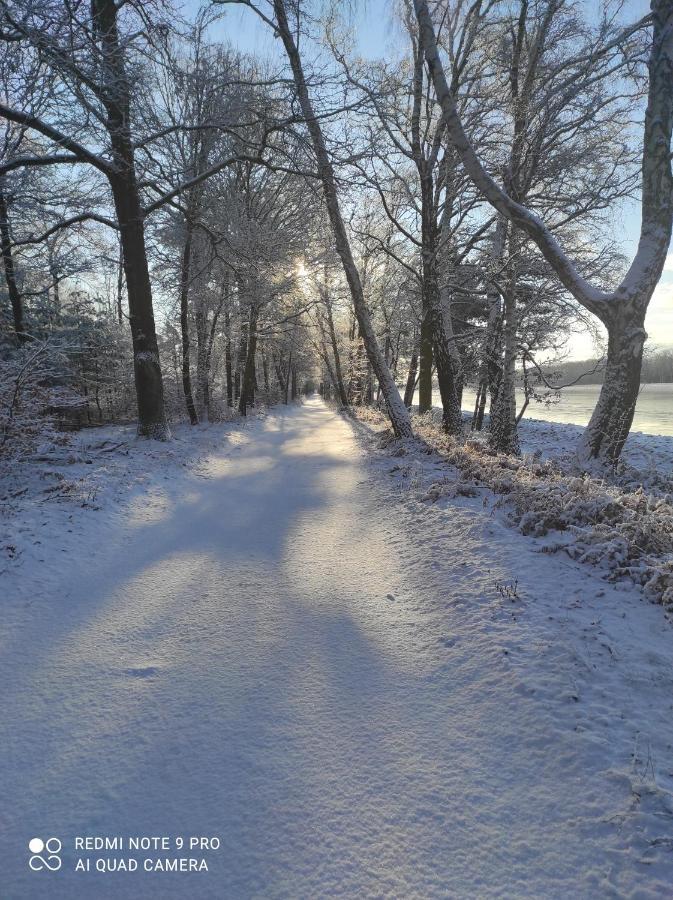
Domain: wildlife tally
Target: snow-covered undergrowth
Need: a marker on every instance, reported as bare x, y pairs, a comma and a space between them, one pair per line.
49, 491
620, 525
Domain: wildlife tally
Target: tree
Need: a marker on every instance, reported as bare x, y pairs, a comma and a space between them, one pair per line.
622, 310
417, 185
87, 66
104, 80
398, 413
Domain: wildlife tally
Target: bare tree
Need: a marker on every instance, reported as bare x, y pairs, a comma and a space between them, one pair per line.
103, 80
623, 310
398, 413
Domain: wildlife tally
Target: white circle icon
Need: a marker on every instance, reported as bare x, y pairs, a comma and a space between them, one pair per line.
36, 845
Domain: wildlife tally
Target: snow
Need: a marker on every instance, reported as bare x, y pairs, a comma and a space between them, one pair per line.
646, 457
268, 633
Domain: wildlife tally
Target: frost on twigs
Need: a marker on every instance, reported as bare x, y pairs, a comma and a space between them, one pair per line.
626, 531
35, 403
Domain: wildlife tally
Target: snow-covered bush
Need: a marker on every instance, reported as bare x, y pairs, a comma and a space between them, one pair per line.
29, 387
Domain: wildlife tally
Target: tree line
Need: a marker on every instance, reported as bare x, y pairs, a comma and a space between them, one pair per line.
657, 368
188, 229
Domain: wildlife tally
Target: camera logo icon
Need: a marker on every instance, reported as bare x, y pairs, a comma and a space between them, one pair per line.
44, 854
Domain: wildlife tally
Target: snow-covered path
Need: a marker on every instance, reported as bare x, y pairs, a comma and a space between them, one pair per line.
276, 650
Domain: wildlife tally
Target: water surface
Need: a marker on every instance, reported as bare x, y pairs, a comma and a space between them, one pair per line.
654, 412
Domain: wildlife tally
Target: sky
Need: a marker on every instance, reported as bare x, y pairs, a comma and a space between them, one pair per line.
376, 36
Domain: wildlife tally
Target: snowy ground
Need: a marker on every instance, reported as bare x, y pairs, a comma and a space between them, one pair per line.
264, 634
650, 454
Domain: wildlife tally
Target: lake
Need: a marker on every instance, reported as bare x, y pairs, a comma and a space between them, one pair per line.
654, 412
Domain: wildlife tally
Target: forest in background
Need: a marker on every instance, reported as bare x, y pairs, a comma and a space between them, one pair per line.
187, 230
657, 369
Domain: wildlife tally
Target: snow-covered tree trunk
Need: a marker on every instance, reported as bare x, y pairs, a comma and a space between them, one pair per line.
148, 380
206, 350
431, 339
447, 352
399, 415
624, 314
612, 417
503, 432
324, 355
287, 380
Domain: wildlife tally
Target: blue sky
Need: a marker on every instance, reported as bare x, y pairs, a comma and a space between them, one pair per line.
376, 36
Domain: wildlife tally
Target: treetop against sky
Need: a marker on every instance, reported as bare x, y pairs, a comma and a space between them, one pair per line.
377, 34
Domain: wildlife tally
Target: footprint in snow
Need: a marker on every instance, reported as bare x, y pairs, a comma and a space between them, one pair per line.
142, 672
448, 641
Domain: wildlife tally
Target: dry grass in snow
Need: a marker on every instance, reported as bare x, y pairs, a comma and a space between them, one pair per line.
627, 532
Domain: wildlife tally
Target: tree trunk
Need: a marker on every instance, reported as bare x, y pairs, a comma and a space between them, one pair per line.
55, 286
369, 385
503, 435
227, 360
278, 366
185, 269
447, 372
10, 274
207, 363
147, 368
399, 415
325, 388
265, 373
357, 386
436, 325
610, 423
340, 386
247, 397
489, 373
411, 380
241, 357
287, 380
425, 362
203, 359
447, 375
479, 404
120, 286
450, 366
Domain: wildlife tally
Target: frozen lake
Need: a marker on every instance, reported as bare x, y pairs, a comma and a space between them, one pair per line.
654, 412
